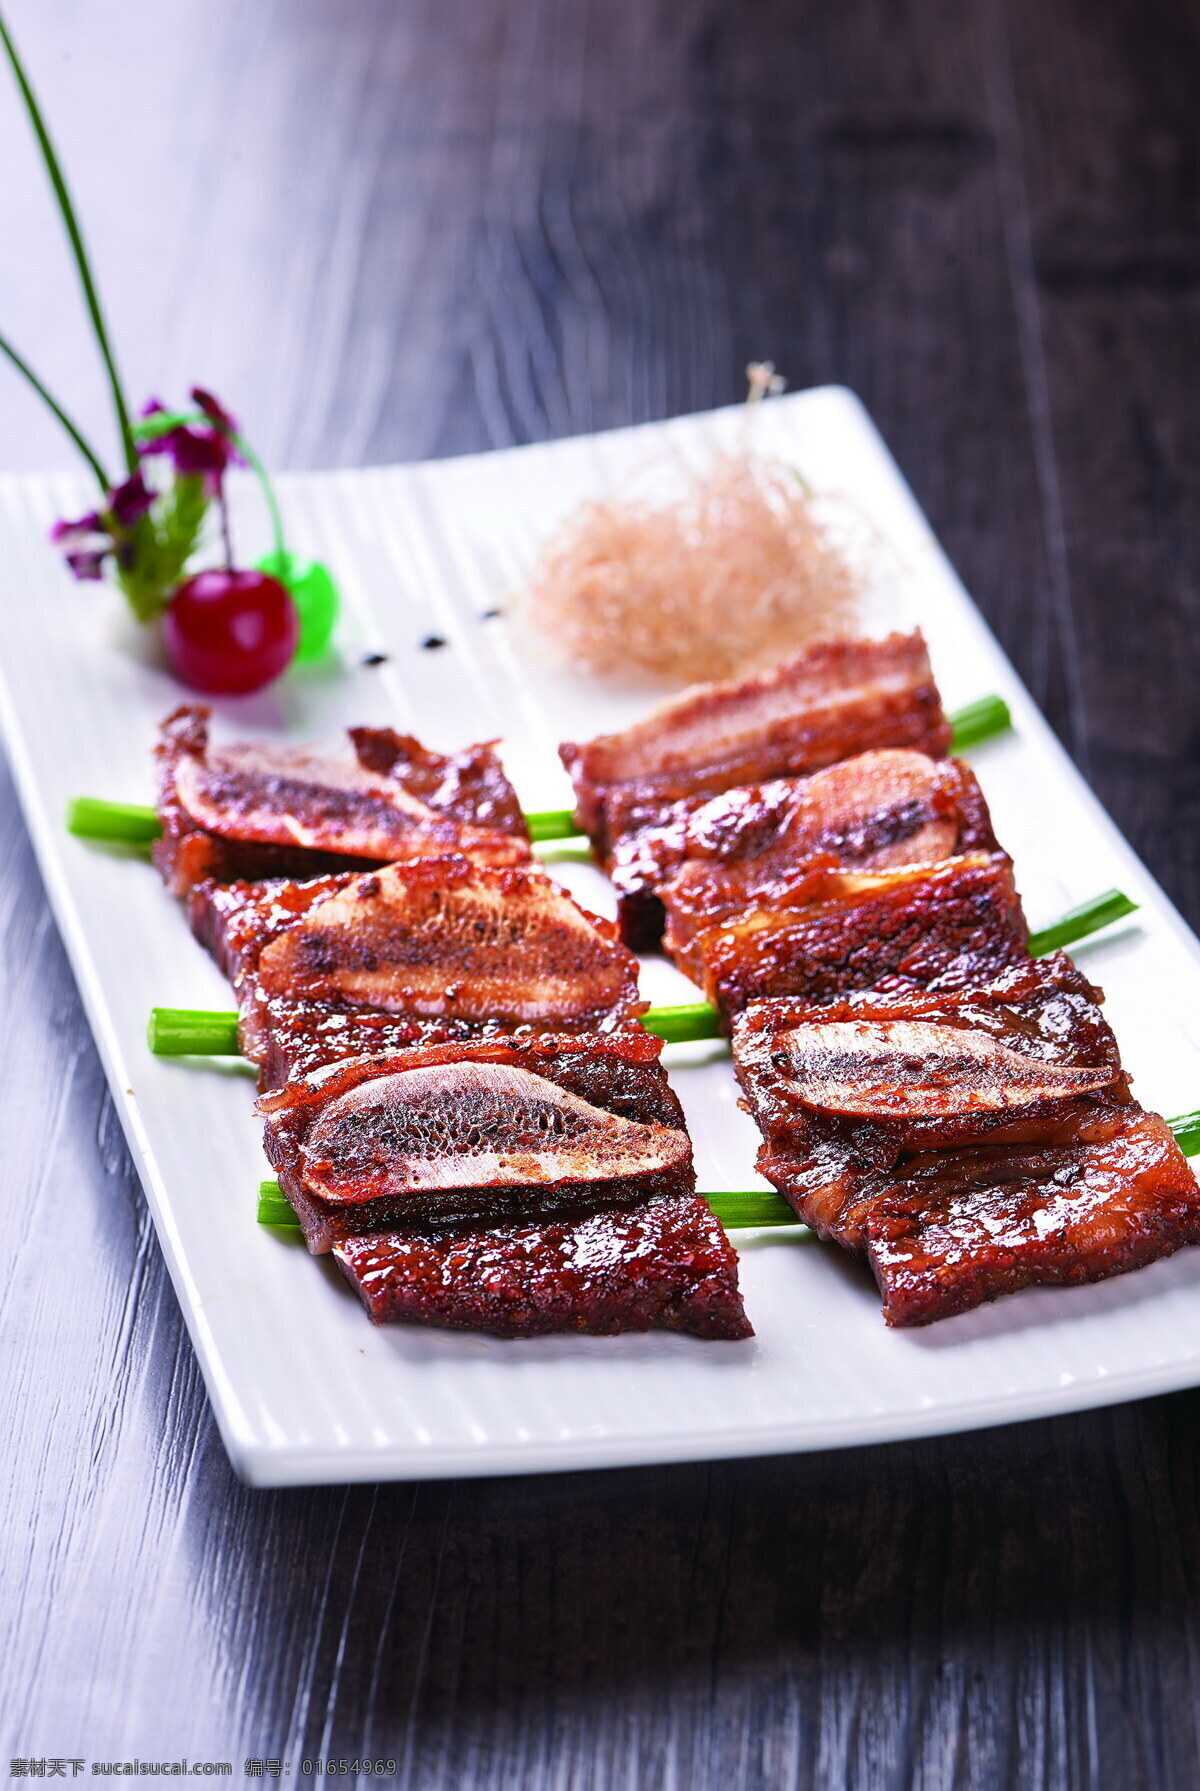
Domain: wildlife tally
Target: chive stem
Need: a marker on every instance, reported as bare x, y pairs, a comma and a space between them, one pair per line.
570, 850
740, 1211
89, 818
680, 1025
75, 236
212, 1032
553, 824
736, 1211
85, 448
1079, 922
192, 1032
185, 1032
92, 818
977, 722
1186, 1128
274, 1207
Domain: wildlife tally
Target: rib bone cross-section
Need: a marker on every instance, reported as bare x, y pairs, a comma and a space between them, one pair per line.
256, 809
428, 950
968, 1143
515, 1187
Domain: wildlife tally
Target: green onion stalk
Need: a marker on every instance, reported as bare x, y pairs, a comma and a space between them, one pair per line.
141, 533
131, 823
756, 1209
206, 1032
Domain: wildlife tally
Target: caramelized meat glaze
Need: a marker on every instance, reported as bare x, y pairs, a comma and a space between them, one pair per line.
968, 1143
252, 809
461, 1105
665, 1265
519, 1187
478, 1133
433, 949
827, 931
876, 812
471, 787
833, 701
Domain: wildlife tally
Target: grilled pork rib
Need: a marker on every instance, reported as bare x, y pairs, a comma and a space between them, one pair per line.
256, 810
836, 699
478, 1133
434, 949
519, 1187
470, 786
966, 1144
827, 931
876, 812
665, 1265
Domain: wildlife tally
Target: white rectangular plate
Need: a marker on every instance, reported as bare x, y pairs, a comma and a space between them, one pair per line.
304, 1388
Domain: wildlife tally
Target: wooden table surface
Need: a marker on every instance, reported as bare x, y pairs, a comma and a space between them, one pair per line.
386, 231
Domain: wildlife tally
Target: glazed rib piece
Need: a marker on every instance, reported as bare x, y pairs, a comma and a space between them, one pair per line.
834, 700
471, 786
871, 813
665, 1265
965, 1144
433, 949
825, 932
251, 809
478, 1133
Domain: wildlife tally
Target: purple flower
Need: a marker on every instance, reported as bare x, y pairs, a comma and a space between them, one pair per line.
86, 543
142, 541
66, 532
130, 501
83, 545
215, 410
198, 450
86, 562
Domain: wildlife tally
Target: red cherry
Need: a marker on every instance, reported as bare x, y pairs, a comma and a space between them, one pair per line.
228, 633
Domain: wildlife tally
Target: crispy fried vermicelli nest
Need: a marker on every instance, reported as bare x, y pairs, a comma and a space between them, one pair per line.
741, 571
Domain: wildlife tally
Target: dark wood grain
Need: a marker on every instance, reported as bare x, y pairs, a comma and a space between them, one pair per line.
389, 231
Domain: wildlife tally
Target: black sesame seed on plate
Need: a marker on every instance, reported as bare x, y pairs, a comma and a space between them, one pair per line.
375, 659
489, 615
431, 641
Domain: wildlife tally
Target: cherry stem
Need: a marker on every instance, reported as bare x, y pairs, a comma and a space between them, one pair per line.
226, 537
162, 422
268, 490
